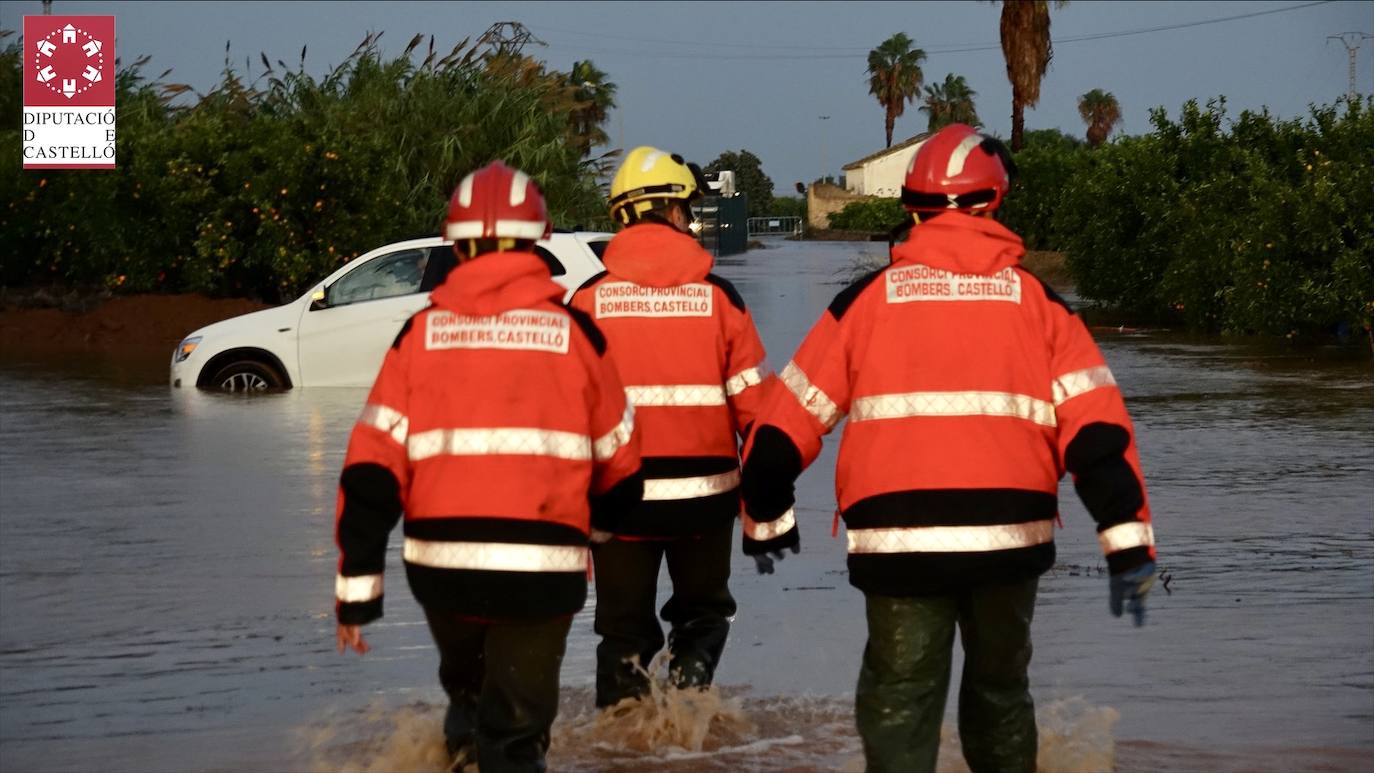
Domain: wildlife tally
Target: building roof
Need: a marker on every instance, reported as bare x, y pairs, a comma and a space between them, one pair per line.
906, 143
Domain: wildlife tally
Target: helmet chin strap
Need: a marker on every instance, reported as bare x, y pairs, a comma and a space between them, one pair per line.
901, 229
693, 226
467, 249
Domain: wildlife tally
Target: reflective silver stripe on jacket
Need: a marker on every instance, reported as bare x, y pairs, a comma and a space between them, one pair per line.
815, 401
951, 539
1126, 535
749, 377
762, 531
496, 556
1071, 385
656, 489
675, 395
901, 406
606, 445
388, 420
364, 587
521, 441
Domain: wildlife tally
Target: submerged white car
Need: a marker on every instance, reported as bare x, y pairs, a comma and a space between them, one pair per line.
337, 332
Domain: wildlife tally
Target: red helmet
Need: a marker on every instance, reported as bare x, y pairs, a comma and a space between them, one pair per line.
497, 202
958, 168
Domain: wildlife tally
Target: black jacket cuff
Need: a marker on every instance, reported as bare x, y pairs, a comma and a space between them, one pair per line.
358, 612
790, 539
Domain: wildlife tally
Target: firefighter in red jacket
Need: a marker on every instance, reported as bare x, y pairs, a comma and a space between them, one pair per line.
692, 365
970, 388
499, 427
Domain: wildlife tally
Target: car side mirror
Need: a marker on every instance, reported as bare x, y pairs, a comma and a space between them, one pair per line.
319, 299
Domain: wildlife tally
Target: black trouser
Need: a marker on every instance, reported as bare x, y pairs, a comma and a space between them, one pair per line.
698, 612
900, 701
502, 683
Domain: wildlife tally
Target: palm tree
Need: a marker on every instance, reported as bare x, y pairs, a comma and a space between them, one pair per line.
595, 97
1101, 112
950, 102
894, 70
1027, 49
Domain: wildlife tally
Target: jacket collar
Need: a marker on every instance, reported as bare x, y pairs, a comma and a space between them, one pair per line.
656, 255
962, 243
497, 282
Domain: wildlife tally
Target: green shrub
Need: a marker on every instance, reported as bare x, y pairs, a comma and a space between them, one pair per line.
1045, 165
1262, 226
789, 206
871, 215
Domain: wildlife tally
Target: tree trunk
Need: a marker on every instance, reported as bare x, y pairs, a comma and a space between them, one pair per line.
1018, 124
891, 119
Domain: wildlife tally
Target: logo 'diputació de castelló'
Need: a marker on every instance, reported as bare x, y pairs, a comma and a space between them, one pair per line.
69, 92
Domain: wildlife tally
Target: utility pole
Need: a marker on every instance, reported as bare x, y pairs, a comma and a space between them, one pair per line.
824, 168
508, 38
1351, 41
47, 7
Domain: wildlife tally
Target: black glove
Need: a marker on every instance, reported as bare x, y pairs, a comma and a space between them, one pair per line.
1130, 587
764, 561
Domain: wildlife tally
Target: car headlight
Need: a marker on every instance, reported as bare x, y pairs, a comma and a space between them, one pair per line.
184, 350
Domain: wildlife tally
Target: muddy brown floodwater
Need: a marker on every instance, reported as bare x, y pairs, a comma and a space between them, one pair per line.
166, 571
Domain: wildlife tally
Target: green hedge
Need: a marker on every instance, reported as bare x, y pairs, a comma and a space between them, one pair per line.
261, 188
871, 215
1045, 165
1259, 225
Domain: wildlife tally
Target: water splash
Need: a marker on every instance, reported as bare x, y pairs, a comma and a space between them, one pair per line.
377, 739
677, 731
667, 721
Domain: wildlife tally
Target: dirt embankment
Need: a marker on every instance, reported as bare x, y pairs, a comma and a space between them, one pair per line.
1050, 267
48, 323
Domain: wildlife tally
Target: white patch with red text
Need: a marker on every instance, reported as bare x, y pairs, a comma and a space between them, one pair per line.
626, 299
543, 331
923, 283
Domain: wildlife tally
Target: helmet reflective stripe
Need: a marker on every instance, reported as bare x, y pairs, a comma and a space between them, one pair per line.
650, 159
512, 229
471, 229
465, 191
960, 154
521, 229
518, 184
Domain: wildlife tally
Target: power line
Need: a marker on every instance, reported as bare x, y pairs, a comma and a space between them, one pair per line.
861, 53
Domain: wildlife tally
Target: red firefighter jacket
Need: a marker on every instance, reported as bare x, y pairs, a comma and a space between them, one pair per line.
500, 428
970, 388
692, 364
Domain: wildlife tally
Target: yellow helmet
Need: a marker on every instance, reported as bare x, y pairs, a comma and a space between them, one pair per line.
649, 175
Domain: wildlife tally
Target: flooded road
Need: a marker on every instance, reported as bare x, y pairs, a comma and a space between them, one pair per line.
166, 571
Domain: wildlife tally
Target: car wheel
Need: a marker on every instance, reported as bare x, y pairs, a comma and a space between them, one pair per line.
246, 376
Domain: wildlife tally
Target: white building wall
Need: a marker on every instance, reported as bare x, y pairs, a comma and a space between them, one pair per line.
883, 176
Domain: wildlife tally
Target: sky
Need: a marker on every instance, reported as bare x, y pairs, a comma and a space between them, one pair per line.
700, 78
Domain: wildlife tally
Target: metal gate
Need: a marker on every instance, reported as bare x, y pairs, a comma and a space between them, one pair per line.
764, 226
